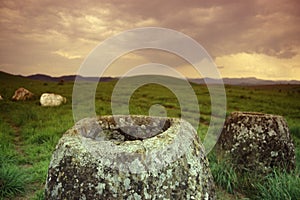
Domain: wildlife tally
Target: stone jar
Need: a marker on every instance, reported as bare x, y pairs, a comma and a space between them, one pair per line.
257, 142
129, 157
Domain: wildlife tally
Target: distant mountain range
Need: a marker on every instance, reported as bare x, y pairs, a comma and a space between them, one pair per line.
227, 81
244, 81
43, 77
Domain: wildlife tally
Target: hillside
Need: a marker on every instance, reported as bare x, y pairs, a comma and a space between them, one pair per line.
245, 81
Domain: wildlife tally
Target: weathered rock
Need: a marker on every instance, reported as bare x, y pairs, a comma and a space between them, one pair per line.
22, 94
50, 99
118, 158
257, 142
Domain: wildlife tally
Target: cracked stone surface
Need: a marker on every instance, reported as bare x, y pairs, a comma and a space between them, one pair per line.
257, 142
130, 157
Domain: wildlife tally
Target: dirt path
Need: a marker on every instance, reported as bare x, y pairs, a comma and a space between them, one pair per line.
17, 139
18, 144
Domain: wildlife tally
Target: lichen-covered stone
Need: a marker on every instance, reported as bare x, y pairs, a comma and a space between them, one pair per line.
257, 142
22, 94
129, 157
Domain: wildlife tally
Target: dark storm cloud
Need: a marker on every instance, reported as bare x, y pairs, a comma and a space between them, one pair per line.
38, 32
226, 27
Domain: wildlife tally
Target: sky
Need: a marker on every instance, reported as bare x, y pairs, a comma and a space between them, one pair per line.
258, 38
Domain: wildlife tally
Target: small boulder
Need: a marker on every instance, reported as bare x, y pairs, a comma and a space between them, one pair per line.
1, 97
257, 142
22, 94
129, 157
50, 99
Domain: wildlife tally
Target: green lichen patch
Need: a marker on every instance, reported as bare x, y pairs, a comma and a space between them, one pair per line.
168, 165
257, 142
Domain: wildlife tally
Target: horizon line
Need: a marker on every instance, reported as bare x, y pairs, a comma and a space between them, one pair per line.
118, 77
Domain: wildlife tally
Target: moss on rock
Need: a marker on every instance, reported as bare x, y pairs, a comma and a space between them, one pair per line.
257, 142
129, 157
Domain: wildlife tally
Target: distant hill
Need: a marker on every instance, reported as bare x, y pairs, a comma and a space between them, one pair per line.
228, 81
243, 81
43, 77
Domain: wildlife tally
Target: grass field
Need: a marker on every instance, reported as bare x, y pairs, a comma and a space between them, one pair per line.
29, 133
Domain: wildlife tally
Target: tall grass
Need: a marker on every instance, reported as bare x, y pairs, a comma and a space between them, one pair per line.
275, 186
295, 131
223, 173
13, 181
279, 185
39, 195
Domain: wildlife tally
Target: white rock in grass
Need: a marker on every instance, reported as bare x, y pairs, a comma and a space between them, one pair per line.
116, 158
50, 99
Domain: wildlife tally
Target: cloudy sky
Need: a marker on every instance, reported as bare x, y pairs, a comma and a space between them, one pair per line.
258, 38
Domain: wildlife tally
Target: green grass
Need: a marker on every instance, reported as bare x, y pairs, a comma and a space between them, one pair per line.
279, 185
29, 132
7, 150
224, 174
295, 131
13, 181
275, 186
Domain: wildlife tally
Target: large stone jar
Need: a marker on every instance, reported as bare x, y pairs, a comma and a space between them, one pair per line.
129, 157
257, 142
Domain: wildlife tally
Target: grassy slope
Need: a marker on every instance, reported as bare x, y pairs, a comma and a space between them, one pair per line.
29, 132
